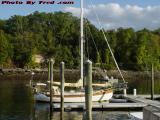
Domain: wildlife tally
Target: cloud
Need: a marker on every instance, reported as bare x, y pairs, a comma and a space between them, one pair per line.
75, 11
113, 15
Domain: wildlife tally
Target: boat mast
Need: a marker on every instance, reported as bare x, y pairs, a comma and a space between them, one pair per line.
82, 37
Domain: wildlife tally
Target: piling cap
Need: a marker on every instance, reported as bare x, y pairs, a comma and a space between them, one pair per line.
52, 60
62, 62
88, 61
32, 73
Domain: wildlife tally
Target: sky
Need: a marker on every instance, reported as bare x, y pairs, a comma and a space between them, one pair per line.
112, 14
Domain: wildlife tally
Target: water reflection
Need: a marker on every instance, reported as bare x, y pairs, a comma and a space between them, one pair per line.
62, 114
143, 86
16, 103
42, 113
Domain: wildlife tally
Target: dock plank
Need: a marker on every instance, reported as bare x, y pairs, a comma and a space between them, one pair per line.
101, 106
142, 99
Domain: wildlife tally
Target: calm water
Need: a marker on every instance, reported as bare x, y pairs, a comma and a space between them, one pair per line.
143, 86
16, 103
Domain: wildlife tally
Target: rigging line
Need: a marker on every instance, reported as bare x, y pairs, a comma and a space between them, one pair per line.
95, 45
87, 45
87, 24
43, 74
103, 32
94, 41
146, 66
84, 33
92, 38
86, 42
86, 37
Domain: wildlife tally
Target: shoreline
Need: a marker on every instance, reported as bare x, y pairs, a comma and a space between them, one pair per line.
74, 74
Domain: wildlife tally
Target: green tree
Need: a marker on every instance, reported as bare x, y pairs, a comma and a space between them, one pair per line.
4, 47
124, 48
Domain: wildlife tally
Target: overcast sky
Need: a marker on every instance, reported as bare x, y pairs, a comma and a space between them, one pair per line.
138, 14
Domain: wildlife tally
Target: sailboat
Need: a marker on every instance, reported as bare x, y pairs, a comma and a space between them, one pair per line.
75, 97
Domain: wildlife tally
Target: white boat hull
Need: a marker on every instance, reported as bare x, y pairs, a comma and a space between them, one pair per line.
75, 97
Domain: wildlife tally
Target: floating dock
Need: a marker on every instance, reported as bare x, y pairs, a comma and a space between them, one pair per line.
102, 106
152, 109
144, 99
135, 103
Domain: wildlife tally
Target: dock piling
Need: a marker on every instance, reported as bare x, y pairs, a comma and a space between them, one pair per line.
31, 80
51, 82
135, 92
125, 92
152, 83
48, 70
88, 89
62, 88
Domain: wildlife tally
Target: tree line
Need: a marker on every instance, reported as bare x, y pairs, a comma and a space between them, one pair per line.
58, 35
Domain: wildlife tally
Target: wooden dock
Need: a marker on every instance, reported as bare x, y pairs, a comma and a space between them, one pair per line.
152, 109
136, 103
142, 99
102, 106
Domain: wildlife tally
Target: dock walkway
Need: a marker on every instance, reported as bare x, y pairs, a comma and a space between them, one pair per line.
134, 103
142, 99
102, 106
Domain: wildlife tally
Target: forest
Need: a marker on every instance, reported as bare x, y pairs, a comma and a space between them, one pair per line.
57, 35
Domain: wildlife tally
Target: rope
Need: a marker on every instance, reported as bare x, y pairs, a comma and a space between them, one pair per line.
103, 32
93, 39
95, 45
86, 43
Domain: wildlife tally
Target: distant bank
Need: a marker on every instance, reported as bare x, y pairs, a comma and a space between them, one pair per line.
74, 74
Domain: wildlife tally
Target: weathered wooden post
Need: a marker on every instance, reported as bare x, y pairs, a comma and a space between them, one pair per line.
88, 89
49, 70
125, 92
31, 80
152, 83
50, 115
51, 83
62, 88
135, 92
